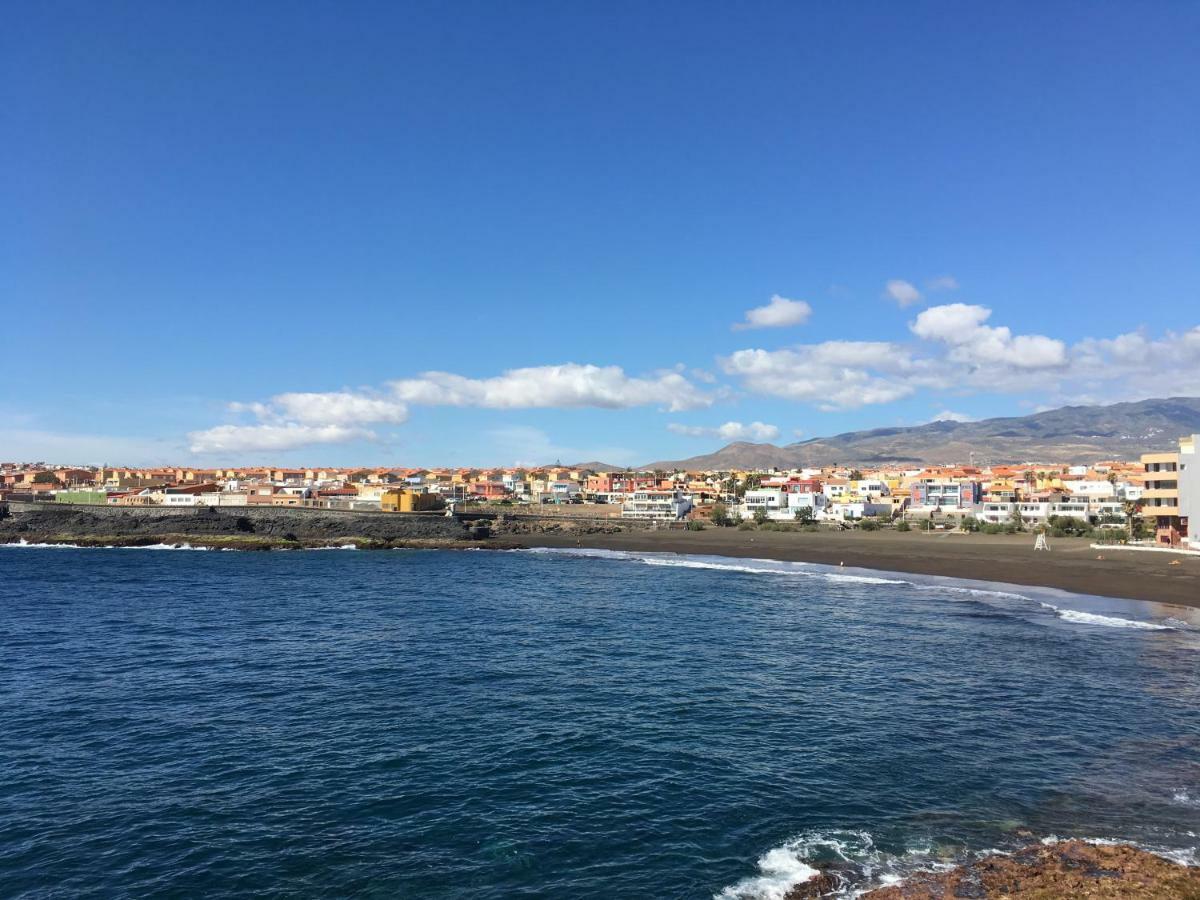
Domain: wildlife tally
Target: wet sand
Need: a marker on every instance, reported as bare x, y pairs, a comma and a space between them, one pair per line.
1071, 564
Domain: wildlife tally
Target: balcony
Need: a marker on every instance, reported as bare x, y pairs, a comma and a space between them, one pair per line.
1163, 493
1151, 513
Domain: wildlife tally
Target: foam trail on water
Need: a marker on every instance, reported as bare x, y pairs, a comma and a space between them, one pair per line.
25, 543
160, 547
1087, 618
723, 564
808, 570
684, 563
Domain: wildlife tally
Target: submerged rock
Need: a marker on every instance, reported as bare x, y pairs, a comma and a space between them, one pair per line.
1043, 871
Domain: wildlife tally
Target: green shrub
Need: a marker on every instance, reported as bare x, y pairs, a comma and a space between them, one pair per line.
747, 526
903, 525
868, 524
695, 525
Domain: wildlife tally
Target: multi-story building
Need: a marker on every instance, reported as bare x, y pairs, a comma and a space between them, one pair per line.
1189, 488
1160, 497
662, 505
946, 494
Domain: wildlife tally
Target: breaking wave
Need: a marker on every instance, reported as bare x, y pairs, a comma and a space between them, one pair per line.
932, 584
851, 858
1087, 618
857, 865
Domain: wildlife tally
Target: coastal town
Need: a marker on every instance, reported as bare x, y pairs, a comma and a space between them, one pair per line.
1149, 500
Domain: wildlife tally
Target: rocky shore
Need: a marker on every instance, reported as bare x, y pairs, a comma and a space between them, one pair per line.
251, 528
233, 528
1067, 869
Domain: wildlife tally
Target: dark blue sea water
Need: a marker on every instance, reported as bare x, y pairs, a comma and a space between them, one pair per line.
488, 725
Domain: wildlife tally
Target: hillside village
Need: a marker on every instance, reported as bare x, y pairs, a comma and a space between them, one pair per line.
1151, 499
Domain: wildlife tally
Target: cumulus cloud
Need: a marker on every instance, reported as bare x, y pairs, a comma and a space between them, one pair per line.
833, 374
780, 312
1130, 366
328, 408
564, 386
949, 415
288, 436
961, 326
339, 408
903, 292
730, 431
297, 419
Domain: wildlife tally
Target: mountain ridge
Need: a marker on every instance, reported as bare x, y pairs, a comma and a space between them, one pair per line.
1068, 434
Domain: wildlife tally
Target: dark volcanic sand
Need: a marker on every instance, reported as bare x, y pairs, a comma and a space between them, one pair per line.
1071, 564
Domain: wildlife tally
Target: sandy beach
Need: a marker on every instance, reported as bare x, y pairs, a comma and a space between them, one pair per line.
1071, 565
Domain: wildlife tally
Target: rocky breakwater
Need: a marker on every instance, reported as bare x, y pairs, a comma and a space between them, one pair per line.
237, 528
1046, 871
519, 525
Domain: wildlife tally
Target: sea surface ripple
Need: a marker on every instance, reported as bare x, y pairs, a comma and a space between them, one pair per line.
492, 725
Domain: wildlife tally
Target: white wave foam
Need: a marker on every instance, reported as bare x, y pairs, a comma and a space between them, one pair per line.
1086, 618
338, 547
749, 566
808, 570
1183, 797
861, 865
1184, 856
160, 547
26, 544
686, 563
782, 869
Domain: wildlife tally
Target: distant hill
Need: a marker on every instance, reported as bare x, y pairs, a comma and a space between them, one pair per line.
1070, 434
599, 467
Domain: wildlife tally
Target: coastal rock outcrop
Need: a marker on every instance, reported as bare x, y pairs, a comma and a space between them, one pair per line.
1066, 869
241, 527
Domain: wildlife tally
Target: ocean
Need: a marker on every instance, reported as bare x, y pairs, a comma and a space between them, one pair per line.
441, 724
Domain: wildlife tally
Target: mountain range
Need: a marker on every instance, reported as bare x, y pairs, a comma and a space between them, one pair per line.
1071, 434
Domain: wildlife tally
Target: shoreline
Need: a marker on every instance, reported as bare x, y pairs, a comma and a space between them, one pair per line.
1072, 564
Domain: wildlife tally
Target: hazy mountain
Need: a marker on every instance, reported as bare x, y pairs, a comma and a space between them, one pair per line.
599, 467
1070, 434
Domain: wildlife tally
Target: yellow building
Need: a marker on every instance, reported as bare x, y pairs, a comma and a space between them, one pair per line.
1160, 497
406, 501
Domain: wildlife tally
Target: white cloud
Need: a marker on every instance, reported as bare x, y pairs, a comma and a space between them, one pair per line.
730, 431
1131, 366
949, 415
564, 386
833, 375
328, 408
298, 419
780, 312
942, 283
338, 408
233, 439
903, 292
960, 326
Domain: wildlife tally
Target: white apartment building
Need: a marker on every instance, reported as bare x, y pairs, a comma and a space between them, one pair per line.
658, 505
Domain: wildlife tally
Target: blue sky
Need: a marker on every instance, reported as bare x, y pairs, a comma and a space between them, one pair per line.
248, 232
